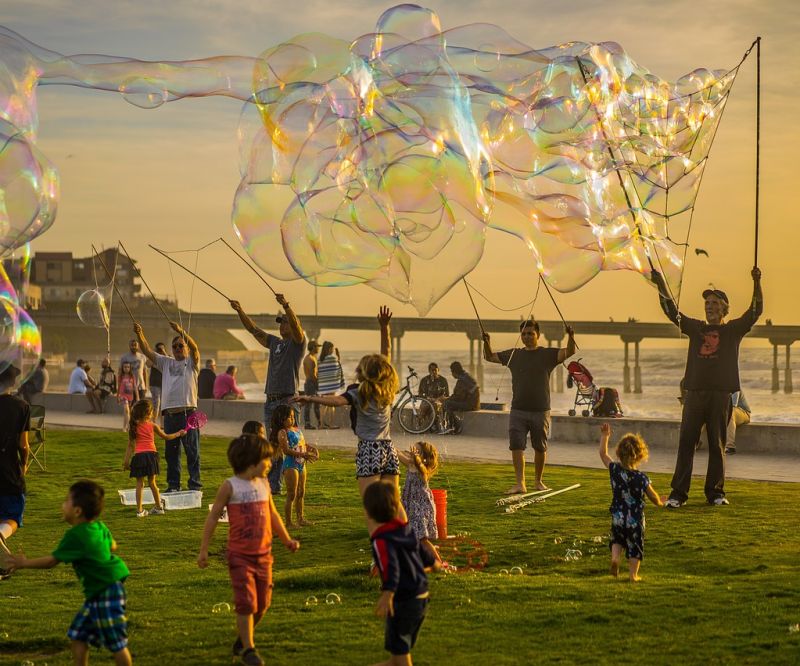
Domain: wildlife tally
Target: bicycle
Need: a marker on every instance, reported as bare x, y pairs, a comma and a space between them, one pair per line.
415, 414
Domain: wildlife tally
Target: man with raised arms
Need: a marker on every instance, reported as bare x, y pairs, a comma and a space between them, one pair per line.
530, 403
712, 375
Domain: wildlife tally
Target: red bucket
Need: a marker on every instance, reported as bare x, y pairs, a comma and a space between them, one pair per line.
440, 502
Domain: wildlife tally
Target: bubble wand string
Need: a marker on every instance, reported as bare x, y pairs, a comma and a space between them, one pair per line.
250, 266
177, 263
114, 284
471, 300
550, 294
141, 277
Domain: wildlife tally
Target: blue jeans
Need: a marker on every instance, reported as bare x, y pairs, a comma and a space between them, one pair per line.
191, 444
274, 476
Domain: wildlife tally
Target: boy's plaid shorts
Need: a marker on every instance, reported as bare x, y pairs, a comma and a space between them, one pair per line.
102, 621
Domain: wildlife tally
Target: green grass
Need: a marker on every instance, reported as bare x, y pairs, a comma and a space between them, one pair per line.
719, 584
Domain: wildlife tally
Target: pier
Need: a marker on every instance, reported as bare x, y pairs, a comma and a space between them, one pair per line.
631, 333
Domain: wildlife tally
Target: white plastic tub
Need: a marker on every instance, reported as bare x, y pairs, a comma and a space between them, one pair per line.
128, 497
183, 499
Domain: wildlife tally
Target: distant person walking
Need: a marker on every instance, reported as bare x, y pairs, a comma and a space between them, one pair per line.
286, 353
311, 386
178, 402
331, 381
711, 376
530, 403
206, 379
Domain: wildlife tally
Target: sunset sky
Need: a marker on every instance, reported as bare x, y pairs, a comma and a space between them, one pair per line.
168, 176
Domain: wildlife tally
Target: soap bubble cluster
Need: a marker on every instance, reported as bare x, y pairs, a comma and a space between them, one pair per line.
572, 555
385, 159
20, 338
222, 607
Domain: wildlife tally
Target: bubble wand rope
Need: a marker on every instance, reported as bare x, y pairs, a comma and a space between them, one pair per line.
758, 137
550, 294
141, 277
474, 307
113, 284
251, 267
177, 263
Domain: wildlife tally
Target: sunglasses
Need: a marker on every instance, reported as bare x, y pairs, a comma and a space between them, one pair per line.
180, 345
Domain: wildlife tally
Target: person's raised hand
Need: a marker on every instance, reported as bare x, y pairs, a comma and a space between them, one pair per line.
236, 305
756, 273
570, 330
487, 338
282, 300
176, 327
137, 329
384, 315
605, 429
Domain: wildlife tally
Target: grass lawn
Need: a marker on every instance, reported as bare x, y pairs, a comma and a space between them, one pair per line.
720, 585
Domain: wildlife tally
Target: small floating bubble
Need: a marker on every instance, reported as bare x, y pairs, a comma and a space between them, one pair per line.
221, 607
311, 601
558, 540
516, 571
794, 628
333, 598
503, 572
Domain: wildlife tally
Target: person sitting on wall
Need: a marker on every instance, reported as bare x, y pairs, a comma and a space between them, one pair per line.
225, 386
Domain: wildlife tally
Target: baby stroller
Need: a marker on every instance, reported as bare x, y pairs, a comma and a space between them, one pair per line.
579, 376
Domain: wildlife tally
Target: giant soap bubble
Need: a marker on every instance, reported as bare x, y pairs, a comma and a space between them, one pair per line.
386, 159
20, 339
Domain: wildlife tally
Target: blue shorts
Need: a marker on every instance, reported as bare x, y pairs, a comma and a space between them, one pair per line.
102, 621
12, 507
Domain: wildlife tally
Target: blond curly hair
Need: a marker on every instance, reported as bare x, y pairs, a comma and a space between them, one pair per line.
632, 450
379, 381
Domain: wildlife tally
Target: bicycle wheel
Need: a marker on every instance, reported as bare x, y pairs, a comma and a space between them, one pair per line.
416, 414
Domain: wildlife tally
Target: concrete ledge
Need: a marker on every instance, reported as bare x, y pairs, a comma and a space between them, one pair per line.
775, 438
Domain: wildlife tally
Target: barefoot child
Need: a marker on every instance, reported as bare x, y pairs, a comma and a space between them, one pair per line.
402, 564
422, 462
142, 446
370, 415
628, 487
289, 437
253, 520
89, 546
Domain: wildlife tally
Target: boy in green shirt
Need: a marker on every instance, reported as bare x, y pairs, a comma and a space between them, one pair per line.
89, 546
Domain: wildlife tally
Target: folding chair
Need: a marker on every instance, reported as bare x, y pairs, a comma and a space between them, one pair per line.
36, 438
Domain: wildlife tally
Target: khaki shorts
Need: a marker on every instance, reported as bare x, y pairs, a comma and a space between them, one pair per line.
520, 423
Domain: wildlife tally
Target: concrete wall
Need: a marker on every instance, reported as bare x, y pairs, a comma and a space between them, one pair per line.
659, 433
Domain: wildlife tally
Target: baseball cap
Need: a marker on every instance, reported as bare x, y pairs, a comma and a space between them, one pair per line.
721, 295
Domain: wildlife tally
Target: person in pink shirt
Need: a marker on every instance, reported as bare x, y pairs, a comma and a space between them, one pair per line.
225, 387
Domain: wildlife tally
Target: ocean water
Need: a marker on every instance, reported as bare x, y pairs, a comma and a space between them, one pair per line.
662, 370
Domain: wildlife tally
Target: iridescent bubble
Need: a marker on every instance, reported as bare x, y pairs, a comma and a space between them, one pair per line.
93, 309
332, 598
516, 571
597, 539
572, 555
20, 340
311, 601
3, 635
503, 572
222, 607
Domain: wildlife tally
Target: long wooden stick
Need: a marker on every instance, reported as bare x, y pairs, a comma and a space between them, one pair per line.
474, 307
114, 285
141, 277
177, 263
513, 508
758, 136
249, 265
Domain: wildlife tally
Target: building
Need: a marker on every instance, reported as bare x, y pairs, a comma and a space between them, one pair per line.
63, 278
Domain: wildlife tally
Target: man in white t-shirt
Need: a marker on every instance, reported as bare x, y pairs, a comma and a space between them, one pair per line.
138, 363
78, 379
178, 401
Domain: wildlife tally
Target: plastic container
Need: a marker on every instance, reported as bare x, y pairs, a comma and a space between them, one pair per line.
224, 517
183, 499
440, 502
128, 496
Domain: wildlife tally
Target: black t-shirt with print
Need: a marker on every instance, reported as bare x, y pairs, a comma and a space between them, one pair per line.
15, 418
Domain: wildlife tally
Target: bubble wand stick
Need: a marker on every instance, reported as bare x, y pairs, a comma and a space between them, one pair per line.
113, 283
177, 263
141, 277
249, 265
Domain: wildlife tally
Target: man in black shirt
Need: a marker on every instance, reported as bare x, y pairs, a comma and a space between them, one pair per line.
530, 403
205, 380
712, 375
434, 387
15, 421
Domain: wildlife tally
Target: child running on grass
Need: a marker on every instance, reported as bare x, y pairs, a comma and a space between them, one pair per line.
422, 462
253, 521
127, 392
144, 461
89, 547
402, 564
370, 415
628, 487
296, 453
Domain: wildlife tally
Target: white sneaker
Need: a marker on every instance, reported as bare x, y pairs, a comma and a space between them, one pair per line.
720, 501
143, 513
157, 511
673, 503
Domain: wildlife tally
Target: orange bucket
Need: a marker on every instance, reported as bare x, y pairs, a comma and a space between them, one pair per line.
440, 502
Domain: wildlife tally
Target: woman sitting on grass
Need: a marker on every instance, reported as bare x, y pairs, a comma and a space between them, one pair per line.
142, 446
629, 487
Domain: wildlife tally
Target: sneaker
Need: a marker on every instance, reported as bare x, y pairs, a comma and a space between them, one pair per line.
250, 657
308, 426
5, 574
171, 490
143, 513
237, 647
730, 450
673, 503
720, 501
157, 511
